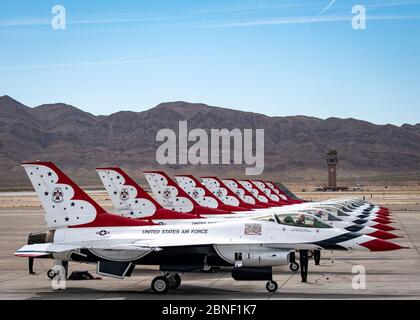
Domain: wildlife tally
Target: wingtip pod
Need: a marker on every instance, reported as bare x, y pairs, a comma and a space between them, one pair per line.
381, 245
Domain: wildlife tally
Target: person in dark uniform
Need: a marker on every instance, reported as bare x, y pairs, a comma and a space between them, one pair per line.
31, 259
31, 265
317, 257
303, 258
66, 267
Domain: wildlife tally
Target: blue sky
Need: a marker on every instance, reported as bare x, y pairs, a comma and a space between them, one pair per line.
273, 57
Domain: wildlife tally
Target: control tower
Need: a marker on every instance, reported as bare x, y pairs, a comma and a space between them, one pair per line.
332, 169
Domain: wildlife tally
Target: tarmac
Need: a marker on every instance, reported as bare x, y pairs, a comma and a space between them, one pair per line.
389, 275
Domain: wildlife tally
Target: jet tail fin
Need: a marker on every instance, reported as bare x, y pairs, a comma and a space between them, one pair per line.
173, 197
127, 196
266, 190
225, 194
247, 184
168, 193
244, 194
206, 198
65, 203
197, 191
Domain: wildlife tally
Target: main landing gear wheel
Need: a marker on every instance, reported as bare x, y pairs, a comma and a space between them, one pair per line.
160, 285
207, 268
310, 254
51, 274
174, 282
294, 266
271, 286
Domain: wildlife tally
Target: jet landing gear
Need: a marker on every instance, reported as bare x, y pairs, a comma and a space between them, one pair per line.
51, 274
162, 284
271, 286
294, 266
256, 274
174, 281
60, 268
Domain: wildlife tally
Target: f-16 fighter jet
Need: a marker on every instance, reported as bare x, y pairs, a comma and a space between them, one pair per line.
80, 230
129, 199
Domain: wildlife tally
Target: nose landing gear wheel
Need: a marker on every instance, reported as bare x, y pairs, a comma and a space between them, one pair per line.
175, 282
271, 286
294, 266
160, 285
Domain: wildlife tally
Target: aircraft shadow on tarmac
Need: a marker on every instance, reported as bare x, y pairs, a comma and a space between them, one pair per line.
196, 292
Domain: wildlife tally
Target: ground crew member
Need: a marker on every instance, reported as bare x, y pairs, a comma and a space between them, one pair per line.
317, 257
30, 259
303, 257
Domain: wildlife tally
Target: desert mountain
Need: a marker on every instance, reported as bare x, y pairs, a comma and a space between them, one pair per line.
295, 146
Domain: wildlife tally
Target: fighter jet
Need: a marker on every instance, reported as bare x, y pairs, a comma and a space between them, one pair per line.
129, 199
82, 231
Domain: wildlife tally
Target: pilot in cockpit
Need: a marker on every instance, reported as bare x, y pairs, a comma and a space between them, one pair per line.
288, 220
301, 220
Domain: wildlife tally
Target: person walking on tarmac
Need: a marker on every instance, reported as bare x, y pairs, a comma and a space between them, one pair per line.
317, 256
31, 265
303, 259
30, 259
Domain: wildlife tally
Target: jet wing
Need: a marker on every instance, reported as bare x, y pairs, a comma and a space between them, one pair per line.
42, 249
158, 244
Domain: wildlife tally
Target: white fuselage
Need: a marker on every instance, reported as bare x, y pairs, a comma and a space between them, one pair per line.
131, 243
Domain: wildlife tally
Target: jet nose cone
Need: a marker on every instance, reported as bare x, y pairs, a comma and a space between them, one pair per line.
384, 227
383, 235
381, 245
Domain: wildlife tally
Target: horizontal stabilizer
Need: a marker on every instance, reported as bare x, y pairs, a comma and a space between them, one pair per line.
42, 249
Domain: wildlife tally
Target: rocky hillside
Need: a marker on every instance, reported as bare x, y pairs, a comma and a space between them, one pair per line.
294, 146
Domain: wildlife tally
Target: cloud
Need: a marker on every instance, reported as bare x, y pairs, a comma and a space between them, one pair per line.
24, 22
92, 64
326, 8
303, 20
